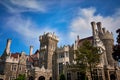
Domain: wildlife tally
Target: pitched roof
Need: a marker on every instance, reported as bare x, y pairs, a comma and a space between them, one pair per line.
15, 55
87, 38
30, 59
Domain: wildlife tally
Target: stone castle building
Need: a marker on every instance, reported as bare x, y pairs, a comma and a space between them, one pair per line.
50, 61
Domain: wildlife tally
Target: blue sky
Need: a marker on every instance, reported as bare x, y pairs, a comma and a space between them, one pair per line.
24, 20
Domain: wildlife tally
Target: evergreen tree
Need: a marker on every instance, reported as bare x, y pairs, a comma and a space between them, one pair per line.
87, 57
21, 77
116, 48
62, 77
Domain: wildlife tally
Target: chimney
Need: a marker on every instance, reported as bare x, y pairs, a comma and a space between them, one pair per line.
8, 46
99, 26
78, 37
31, 50
93, 24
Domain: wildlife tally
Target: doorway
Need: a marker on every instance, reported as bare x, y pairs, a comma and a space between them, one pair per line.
41, 78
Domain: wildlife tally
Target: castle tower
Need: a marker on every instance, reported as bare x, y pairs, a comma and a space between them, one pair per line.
97, 42
48, 44
108, 41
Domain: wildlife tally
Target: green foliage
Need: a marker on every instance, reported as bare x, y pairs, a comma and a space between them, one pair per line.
87, 56
62, 77
21, 77
116, 48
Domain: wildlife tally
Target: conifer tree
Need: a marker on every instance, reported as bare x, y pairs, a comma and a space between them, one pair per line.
87, 57
21, 77
116, 48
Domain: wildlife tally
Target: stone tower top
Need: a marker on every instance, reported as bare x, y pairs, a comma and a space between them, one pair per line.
107, 34
102, 32
48, 45
48, 35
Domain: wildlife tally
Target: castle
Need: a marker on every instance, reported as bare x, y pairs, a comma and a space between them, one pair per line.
49, 61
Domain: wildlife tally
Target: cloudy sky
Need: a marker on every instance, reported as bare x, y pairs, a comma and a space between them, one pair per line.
24, 20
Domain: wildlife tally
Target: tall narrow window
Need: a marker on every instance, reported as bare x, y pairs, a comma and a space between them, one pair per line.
12, 78
14, 67
20, 67
68, 76
60, 68
78, 76
67, 54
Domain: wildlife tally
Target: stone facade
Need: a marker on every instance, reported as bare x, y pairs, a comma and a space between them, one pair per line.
50, 61
108, 68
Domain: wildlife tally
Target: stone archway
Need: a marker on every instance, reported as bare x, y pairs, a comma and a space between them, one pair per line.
41, 78
112, 77
50, 78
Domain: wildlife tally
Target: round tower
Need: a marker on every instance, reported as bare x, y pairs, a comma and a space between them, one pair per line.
108, 41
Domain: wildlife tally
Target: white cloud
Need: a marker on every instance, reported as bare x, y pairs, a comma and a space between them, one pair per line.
18, 6
27, 30
80, 25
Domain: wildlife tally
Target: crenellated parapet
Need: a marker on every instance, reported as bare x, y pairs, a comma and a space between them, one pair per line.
106, 35
63, 48
48, 35
101, 31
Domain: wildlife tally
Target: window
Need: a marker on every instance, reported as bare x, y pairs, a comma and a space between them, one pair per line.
67, 54
97, 74
68, 76
12, 78
61, 55
60, 68
14, 67
20, 67
78, 76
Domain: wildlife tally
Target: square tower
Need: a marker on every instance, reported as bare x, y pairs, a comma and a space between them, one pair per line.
48, 44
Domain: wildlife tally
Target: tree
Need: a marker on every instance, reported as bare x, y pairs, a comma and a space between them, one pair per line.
87, 57
62, 77
21, 77
116, 48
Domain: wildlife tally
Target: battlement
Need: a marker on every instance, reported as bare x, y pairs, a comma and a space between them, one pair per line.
101, 32
49, 35
107, 35
63, 48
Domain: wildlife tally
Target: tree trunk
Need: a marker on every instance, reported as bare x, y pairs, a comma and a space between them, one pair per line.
91, 72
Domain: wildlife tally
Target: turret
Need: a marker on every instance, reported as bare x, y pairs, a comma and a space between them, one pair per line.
107, 38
